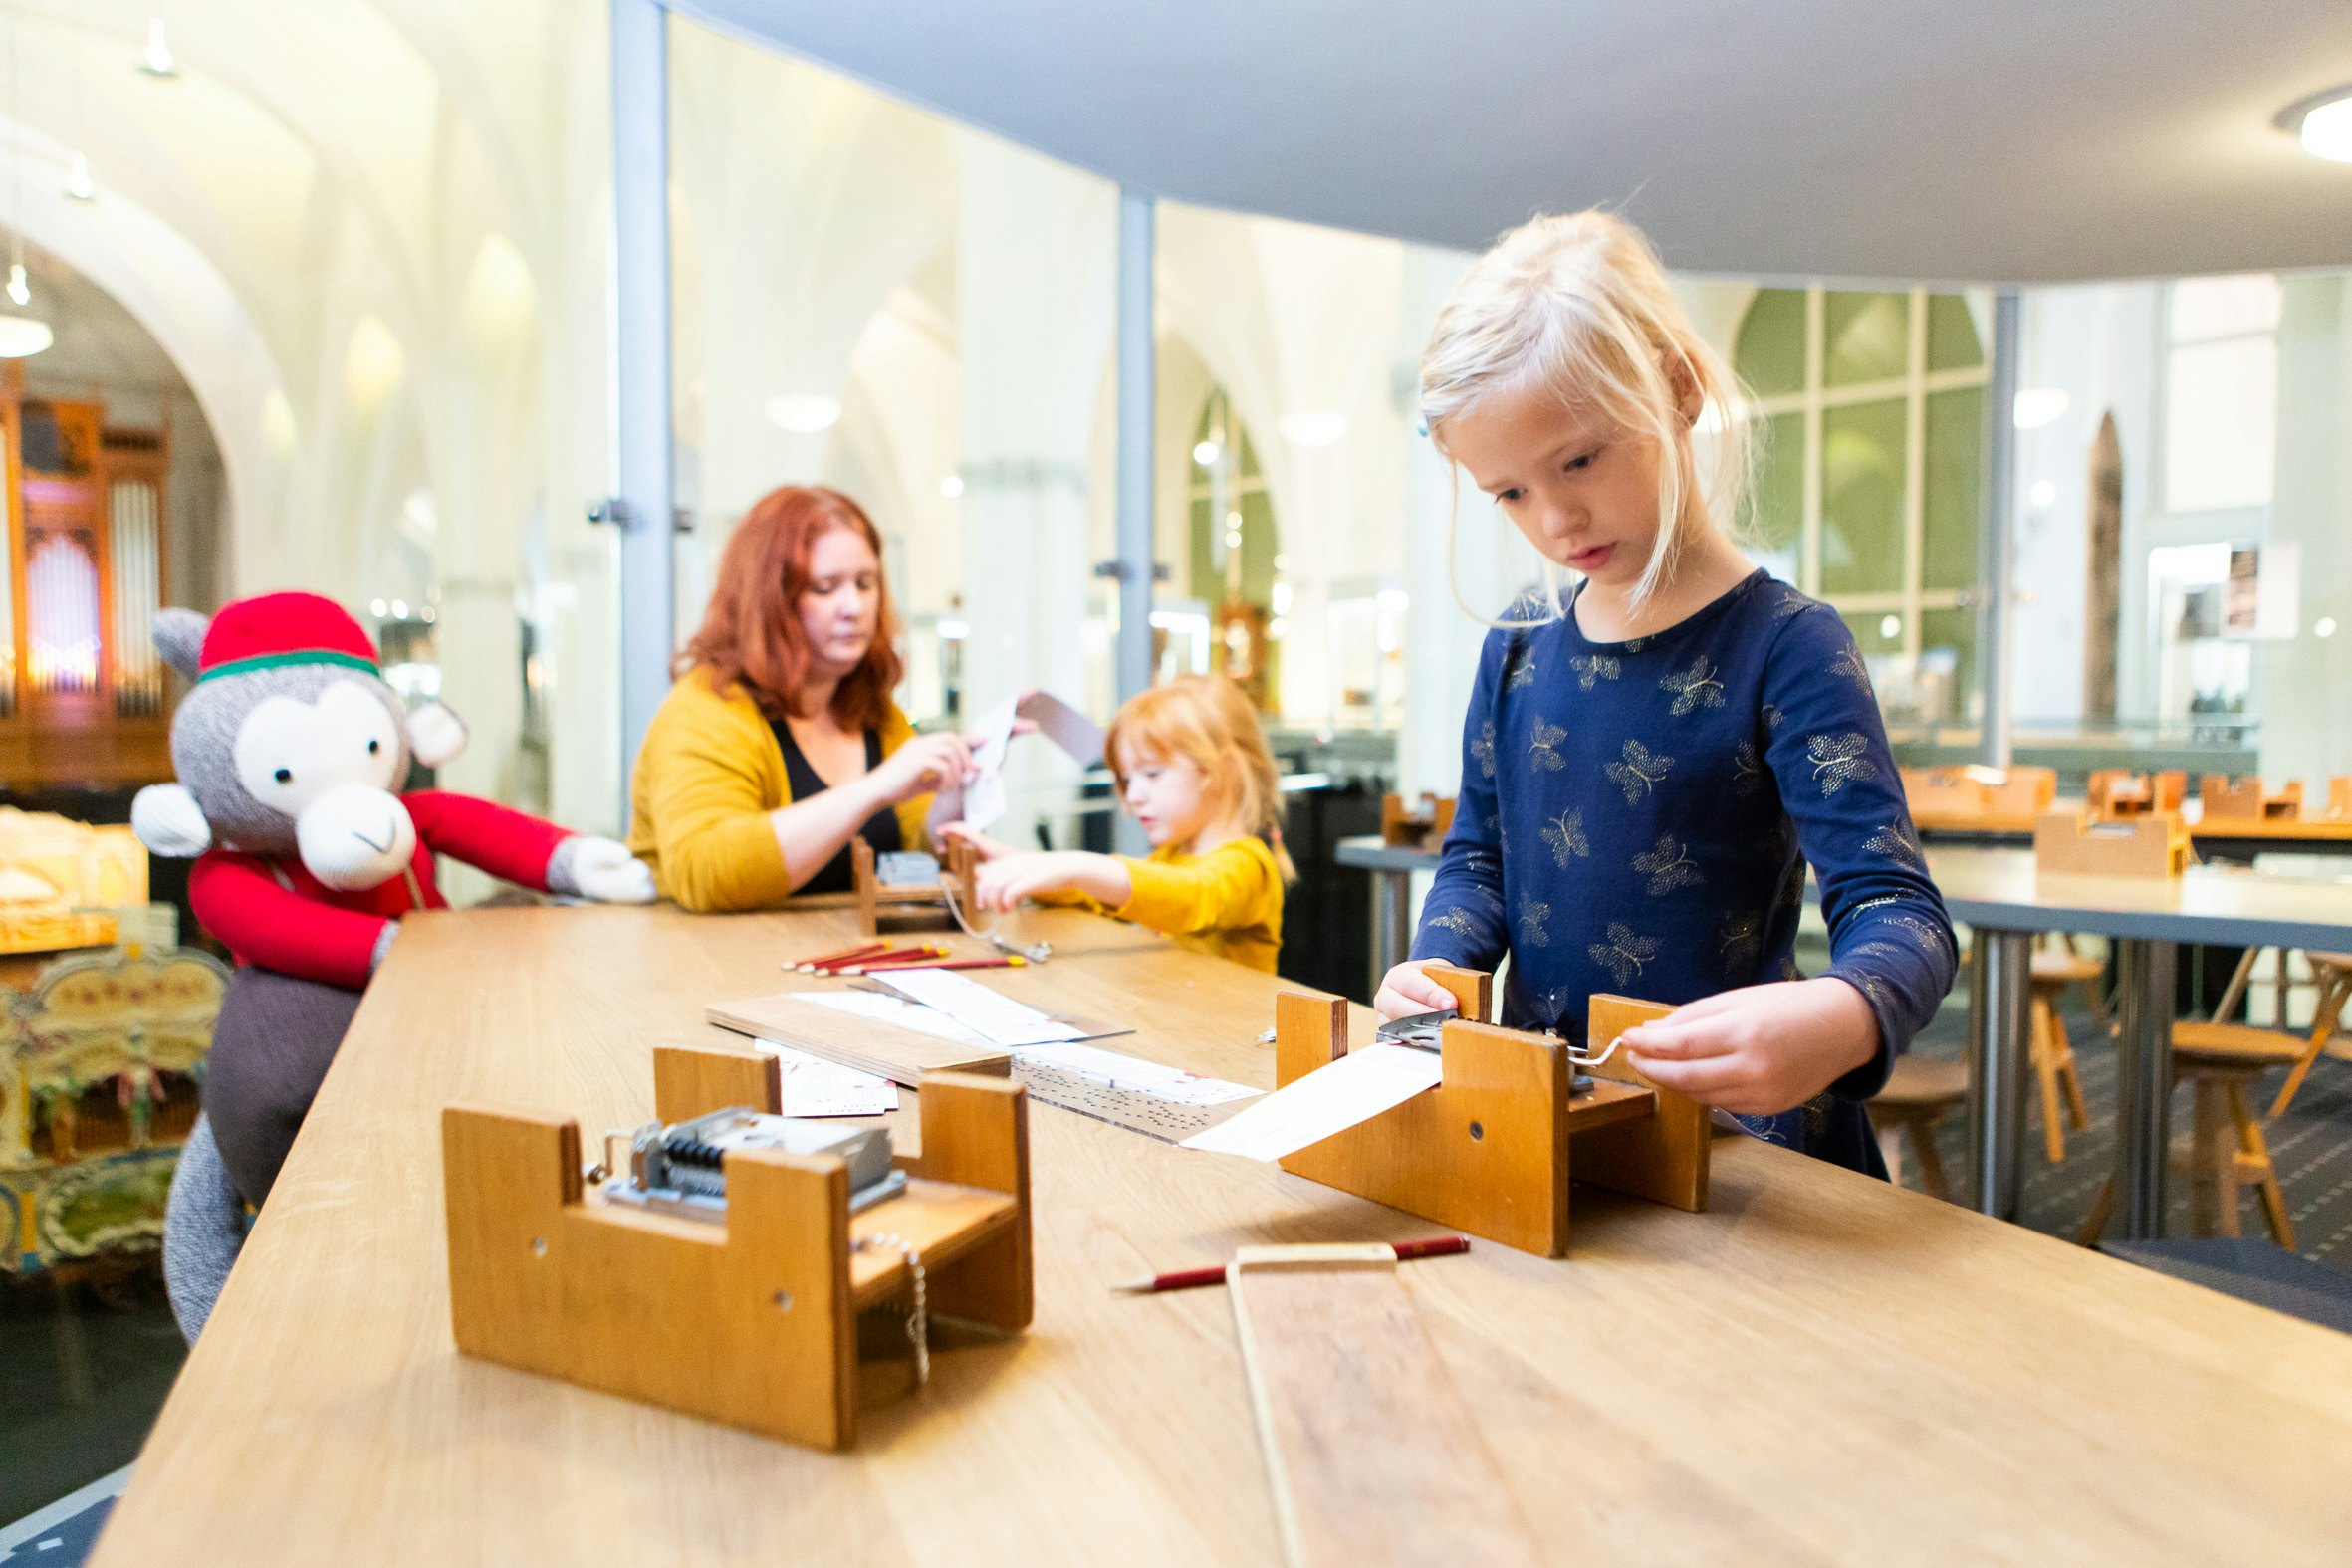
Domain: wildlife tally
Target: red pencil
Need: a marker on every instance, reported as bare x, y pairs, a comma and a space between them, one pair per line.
886, 955
1193, 1279
862, 950
882, 966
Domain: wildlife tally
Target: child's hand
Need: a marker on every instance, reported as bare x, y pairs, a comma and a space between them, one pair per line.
1004, 882
1761, 1050
1405, 991
989, 848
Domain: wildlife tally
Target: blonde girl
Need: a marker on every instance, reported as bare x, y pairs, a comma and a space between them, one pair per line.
1662, 738
1194, 772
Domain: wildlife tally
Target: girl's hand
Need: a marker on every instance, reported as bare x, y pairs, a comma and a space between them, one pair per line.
1405, 991
988, 848
924, 765
1006, 881
1761, 1050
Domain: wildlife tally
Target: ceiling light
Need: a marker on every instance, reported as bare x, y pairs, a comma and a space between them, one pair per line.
18, 289
2039, 405
2325, 626
1206, 454
952, 486
21, 337
803, 413
1313, 426
156, 60
400, 609
1890, 627
2325, 124
78, 183
2045, 491
379, 608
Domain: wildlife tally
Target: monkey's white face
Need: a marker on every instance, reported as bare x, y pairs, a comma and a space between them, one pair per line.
330, 764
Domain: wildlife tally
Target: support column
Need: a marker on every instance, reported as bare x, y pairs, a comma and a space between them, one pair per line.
1036, 270
641, 361
1997, 550
2143, 1083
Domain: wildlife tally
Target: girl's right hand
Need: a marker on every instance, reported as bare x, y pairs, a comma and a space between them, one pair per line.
1405, 991
923, 765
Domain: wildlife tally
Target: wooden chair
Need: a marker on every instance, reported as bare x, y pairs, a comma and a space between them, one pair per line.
2053, 1058
2218, 1060
1918, 1093
2070, 967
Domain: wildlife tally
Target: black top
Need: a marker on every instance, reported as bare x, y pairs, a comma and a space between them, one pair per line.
880, 830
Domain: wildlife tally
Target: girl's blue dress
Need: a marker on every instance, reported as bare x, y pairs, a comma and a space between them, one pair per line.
1636, 817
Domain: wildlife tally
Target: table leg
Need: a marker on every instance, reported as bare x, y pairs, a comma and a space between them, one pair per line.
2143, 1083
1393, 923
2000, 992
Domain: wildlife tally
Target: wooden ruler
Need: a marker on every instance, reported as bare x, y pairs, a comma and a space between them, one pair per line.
1372, 1455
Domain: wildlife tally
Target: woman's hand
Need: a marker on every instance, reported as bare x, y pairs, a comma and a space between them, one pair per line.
1761, 1050
923, 765
1405, 991
1004, 883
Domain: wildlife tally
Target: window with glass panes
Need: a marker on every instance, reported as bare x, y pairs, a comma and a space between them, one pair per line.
1870, 480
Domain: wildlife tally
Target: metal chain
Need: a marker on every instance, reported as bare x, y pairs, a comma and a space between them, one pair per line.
1035, 953
918, 1317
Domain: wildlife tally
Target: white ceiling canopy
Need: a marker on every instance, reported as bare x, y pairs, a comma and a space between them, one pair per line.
1984, 141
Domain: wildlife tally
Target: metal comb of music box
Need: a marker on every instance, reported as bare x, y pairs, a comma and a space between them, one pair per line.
681, 1169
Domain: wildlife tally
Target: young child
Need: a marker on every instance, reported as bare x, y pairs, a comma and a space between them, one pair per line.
1194, 772
1651, 758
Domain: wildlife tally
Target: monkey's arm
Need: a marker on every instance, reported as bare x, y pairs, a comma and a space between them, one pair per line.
266, 923
486, 836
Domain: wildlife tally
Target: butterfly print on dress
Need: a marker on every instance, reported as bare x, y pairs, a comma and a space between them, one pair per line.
1838, 759
1639, 771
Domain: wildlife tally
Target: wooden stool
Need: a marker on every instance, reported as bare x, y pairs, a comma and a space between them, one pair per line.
2053, 1059
2069, 968
1917, 1094
2218, 1060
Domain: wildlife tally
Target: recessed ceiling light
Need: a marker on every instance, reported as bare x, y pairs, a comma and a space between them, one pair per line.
952, 486
2039, 405
2324, 123
21, 337
78, 181
803, 413
19, 288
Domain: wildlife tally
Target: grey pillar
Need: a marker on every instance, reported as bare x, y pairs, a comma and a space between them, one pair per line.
2143, 1083
641, 362
1998, 547
1137, 438
1999, 998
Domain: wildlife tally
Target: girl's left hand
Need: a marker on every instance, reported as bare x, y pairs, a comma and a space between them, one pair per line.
1005, 882
1761, 1050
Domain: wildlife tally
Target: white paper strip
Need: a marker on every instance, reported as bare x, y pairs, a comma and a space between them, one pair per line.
992, 1015
1329, 1100
814, 1086
896, 1011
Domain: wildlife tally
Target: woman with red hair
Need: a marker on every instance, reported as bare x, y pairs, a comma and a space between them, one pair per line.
779, 742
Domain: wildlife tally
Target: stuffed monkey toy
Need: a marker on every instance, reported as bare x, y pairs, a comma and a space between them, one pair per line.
289, 750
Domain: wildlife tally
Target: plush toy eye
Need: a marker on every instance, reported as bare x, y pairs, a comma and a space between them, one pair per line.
374, 747
284, 776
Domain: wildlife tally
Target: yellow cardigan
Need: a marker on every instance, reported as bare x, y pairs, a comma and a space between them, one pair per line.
1227, 903
707, 777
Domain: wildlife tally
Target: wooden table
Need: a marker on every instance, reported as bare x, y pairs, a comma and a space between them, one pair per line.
1822, 1369
2009, 902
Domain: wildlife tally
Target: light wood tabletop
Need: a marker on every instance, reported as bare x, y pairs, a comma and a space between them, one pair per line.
2318, 832
2229, 905
1820, 1369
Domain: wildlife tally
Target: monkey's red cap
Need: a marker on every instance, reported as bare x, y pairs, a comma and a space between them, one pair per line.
273, 630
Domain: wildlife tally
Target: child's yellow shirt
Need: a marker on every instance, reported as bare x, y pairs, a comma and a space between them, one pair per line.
1228, 902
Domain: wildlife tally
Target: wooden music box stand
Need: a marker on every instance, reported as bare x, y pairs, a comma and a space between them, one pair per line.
1423, 826
2081, 843
1489, 1150
915, 902
753, 1322
2246, 796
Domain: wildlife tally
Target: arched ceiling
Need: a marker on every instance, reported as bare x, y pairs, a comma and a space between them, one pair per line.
1990, 141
